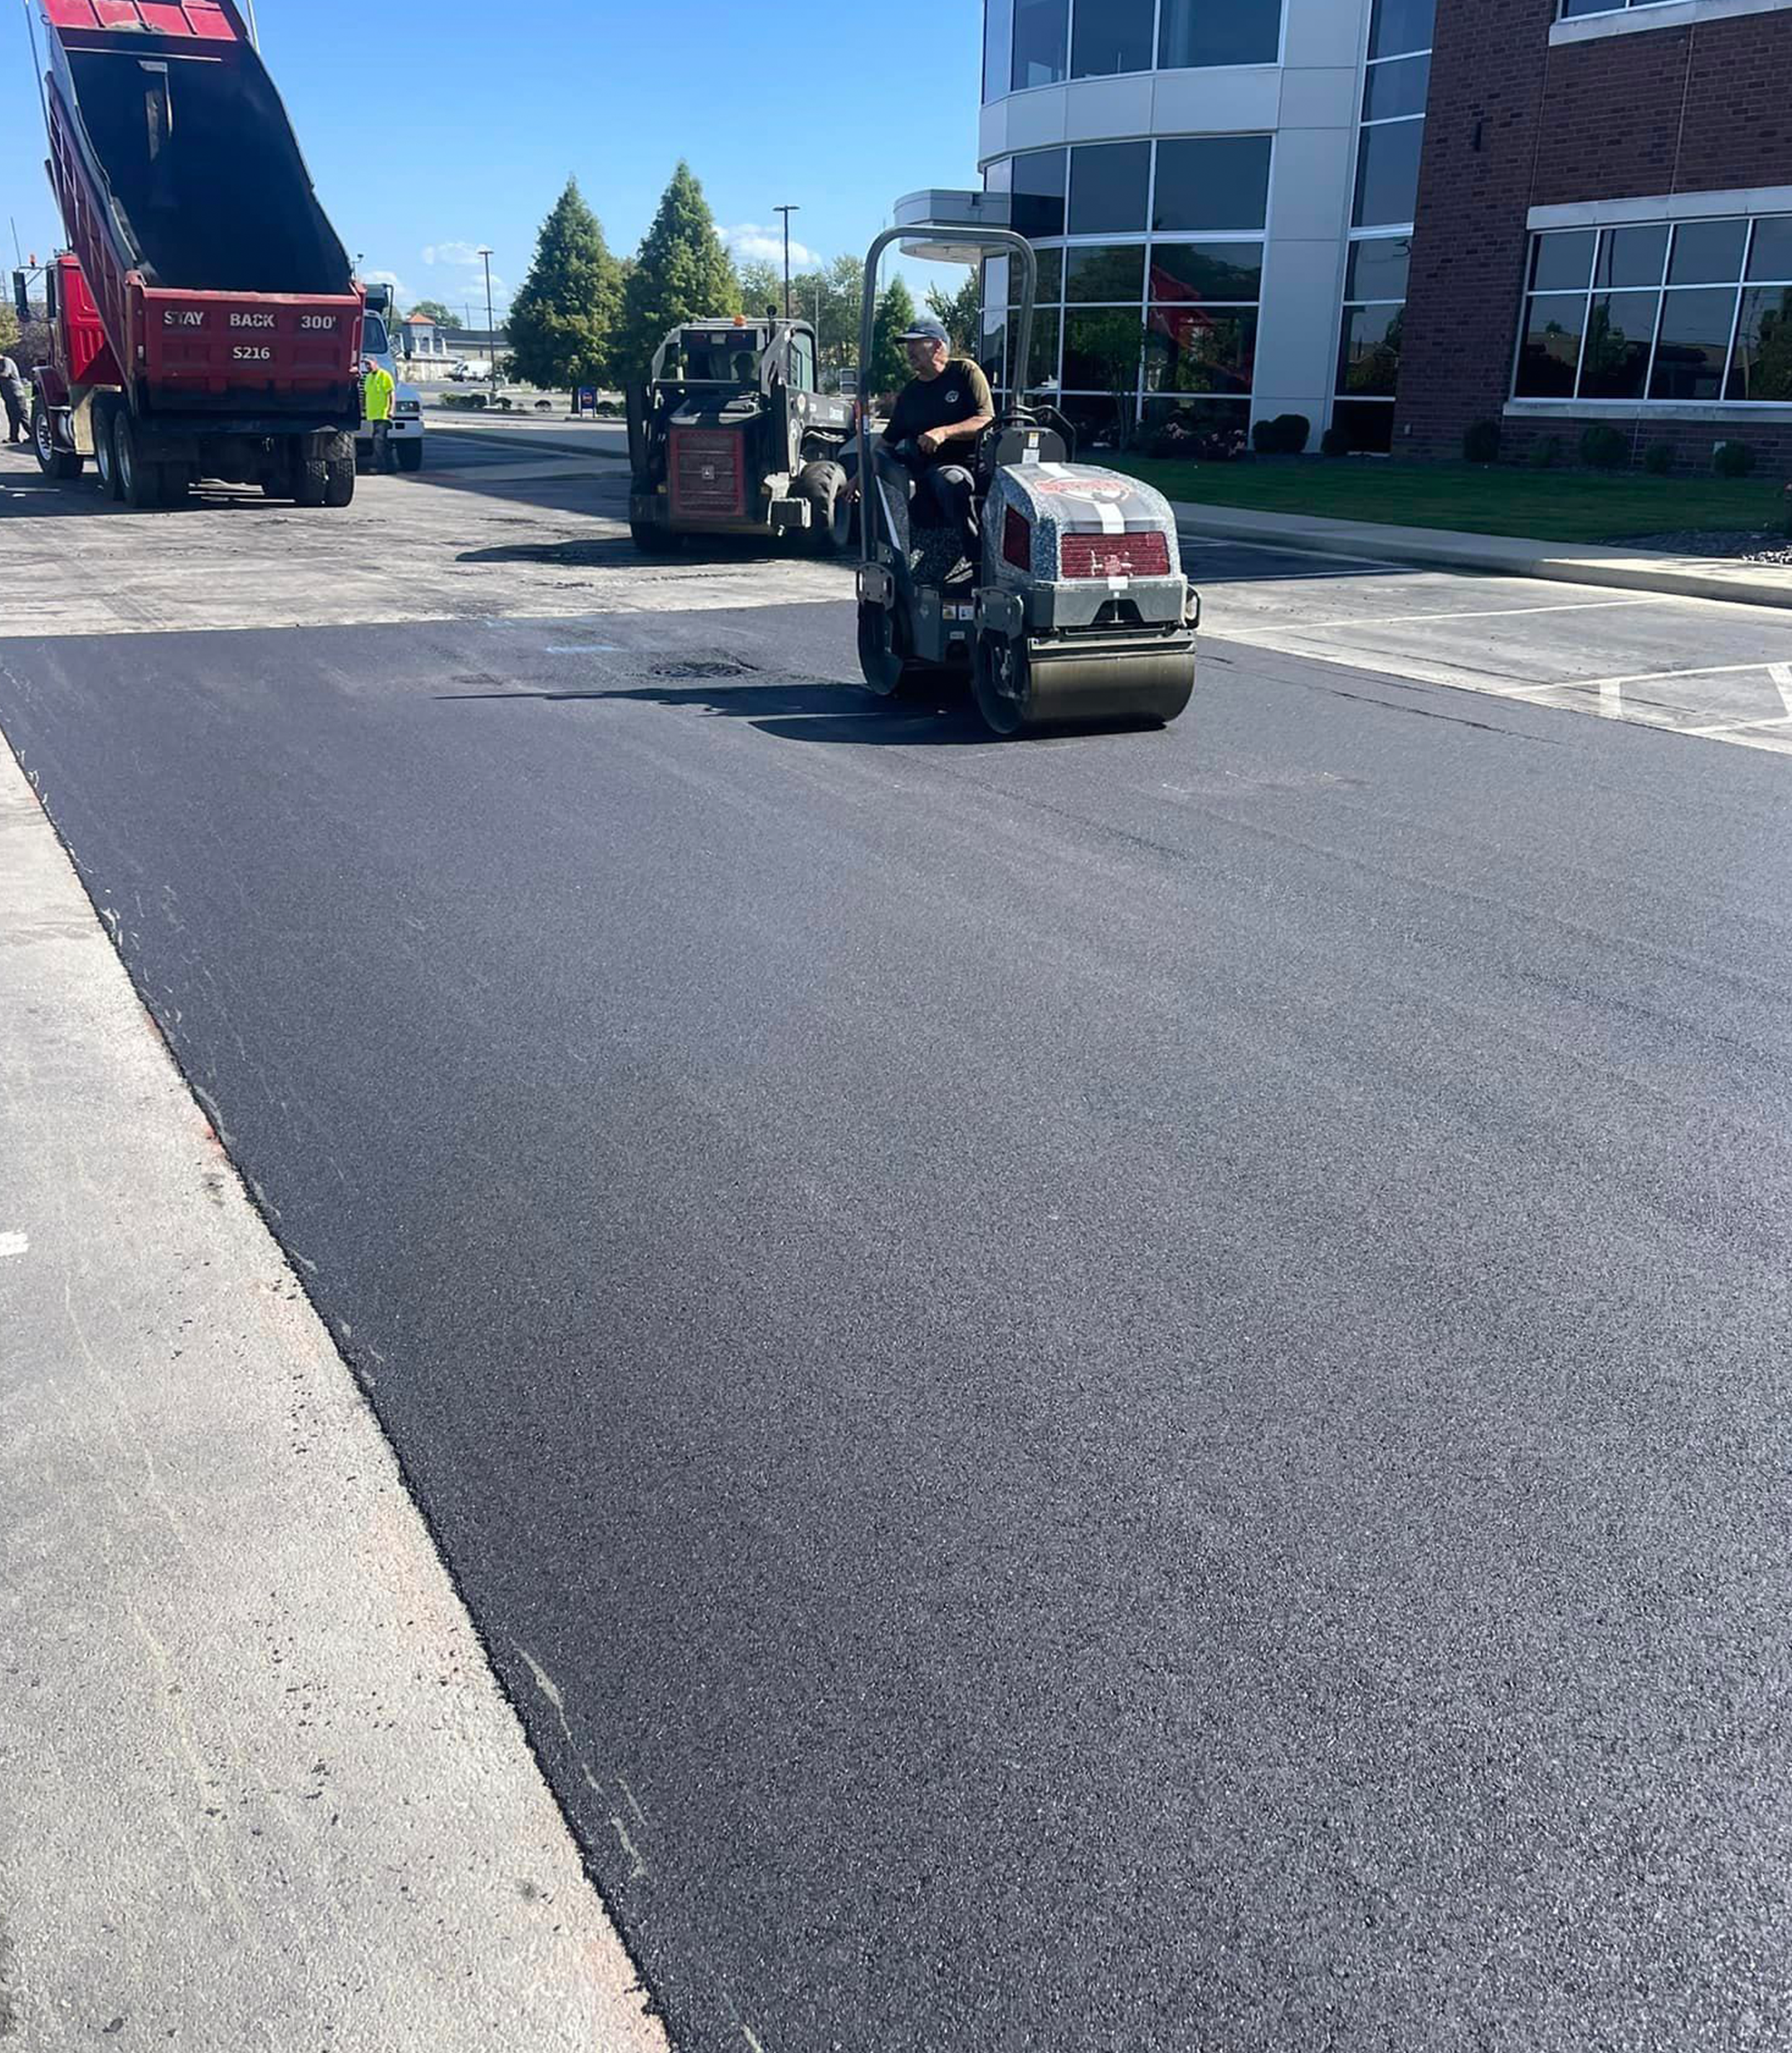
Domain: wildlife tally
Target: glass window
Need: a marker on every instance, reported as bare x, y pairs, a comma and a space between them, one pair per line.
1708, 253
1378, 268
1108, 185
1110, 273
1763, 367
1176, 426
1551, 350
1694, 345
1037, 184
1387, 174
1563, 262
1620, 326
1630, 257
1189, 350
1040, 27
1102, 347
1206, 270
1393, 89
1050, 276
1770, 256
803, 364
998, 47
1368, 356
1399, 25
996, 281
1097, 423
1043, 370
1195, 34
992, 346
1212, 182
1111, 36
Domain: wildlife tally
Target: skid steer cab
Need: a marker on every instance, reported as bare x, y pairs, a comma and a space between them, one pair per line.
1078, 612
729, 436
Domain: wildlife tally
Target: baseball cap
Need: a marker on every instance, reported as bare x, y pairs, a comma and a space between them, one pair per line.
926, 330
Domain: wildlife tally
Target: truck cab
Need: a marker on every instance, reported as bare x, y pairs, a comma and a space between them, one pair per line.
406, 432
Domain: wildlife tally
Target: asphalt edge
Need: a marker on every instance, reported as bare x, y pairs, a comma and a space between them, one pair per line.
651, 2021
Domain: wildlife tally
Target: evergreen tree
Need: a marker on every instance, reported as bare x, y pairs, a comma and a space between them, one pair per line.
889, 360
563, 323
682, 273
9, 328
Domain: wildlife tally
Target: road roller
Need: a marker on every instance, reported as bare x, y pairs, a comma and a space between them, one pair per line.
1079, 613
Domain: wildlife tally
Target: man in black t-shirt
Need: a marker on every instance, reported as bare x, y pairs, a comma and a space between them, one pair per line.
942, 410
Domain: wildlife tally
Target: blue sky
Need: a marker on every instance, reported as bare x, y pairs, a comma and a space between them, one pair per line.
460, 125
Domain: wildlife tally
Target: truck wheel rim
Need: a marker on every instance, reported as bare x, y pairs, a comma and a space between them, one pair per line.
46, 439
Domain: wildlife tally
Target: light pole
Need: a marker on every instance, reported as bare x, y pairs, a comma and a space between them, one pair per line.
483, 251
786, 212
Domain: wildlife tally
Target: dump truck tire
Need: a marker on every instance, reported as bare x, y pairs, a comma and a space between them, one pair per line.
338, 482
821, 484
105, 458
651, 538
53, 462
310, 478
139, 483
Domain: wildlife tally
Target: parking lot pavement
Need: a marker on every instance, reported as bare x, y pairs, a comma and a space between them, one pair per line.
494, 527
1716, 671
479, 532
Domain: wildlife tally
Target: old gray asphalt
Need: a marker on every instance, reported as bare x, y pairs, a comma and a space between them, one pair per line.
1133, 1390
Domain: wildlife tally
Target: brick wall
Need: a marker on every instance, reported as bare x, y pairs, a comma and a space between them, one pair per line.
1691, 441
1487, 82
1512, 124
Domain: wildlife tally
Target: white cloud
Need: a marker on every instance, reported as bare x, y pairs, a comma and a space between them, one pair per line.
450, 253
765, 246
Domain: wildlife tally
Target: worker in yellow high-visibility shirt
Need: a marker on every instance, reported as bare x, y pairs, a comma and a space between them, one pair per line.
376, 403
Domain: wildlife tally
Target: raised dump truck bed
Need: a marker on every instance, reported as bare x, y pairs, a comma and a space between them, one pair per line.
206, 317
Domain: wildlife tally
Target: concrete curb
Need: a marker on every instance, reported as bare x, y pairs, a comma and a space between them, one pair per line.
1628, 570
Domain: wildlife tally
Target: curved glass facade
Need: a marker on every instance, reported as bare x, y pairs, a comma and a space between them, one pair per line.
1045, 42
1151, 274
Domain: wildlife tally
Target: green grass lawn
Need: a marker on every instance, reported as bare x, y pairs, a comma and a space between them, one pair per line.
1552, 505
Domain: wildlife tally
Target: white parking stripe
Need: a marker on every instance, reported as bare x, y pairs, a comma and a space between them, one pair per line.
1447, 614
1781, 674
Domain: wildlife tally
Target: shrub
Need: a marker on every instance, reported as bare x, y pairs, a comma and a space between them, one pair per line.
1480, 443
1334, 442
1658, 459
1603, 447
1732, 459
1286, 435
1546, 454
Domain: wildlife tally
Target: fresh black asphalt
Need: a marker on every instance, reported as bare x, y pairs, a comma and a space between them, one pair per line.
1125, 1393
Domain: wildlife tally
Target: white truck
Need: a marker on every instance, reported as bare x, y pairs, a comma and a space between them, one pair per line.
406, 425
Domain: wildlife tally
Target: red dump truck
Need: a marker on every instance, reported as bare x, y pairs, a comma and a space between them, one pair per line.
205, 321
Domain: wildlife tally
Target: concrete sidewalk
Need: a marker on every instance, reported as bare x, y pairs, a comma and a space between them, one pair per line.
262, 1790
1574, 563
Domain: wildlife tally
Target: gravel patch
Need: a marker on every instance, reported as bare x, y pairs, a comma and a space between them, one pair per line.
1761, 545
